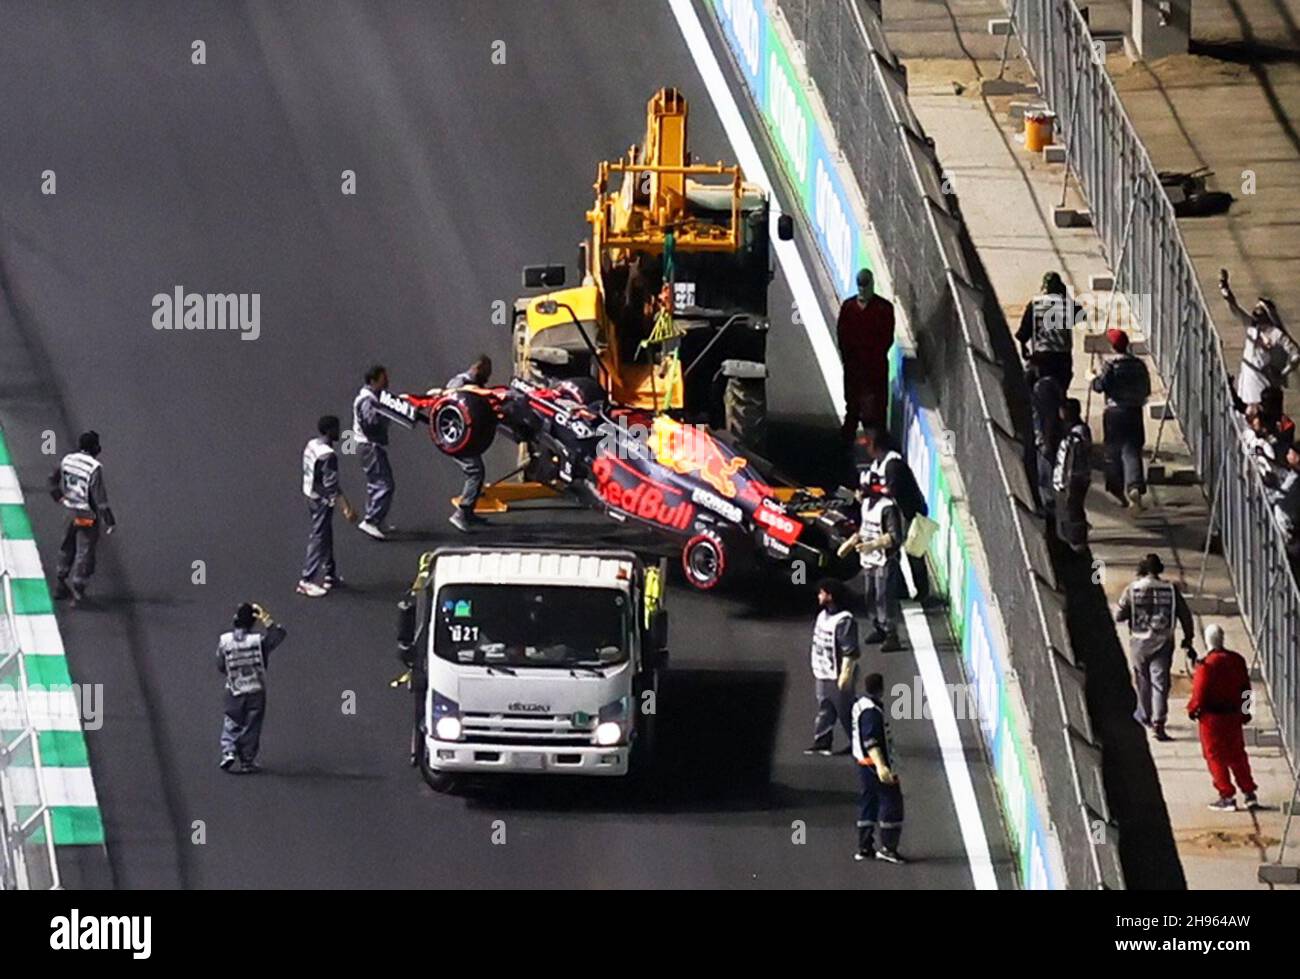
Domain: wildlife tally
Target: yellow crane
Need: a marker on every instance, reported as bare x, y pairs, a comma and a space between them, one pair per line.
671, 310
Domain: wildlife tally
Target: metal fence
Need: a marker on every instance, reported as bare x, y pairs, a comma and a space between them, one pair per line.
27, 858
963, 341
1139, 230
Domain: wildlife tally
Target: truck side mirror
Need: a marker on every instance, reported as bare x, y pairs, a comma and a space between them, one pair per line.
582, 260
543, 276
785, 227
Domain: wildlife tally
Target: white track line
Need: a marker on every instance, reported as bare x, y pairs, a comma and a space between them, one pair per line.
944, 719
747, 155
960, 786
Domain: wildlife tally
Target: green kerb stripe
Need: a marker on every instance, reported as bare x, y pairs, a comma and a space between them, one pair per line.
77, 825
14, 523
32, 597
63, 749
47, 671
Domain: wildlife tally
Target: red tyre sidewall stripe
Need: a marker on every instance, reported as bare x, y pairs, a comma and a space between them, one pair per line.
722, 561
433, 430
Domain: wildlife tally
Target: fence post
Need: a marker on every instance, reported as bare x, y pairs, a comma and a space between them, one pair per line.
1068, 134
1169, 388
1006, 45
1209, 527
1115, 287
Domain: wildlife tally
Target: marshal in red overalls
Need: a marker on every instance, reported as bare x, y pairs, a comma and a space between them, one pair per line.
865, 332
1220, 699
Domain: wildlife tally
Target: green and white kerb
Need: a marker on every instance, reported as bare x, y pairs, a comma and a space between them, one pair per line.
52, 703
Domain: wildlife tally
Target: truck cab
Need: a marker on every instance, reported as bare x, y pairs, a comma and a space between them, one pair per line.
533, 661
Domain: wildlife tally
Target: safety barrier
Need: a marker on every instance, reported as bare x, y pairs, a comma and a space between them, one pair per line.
48, 800
1138, 228
26, 824
863, 114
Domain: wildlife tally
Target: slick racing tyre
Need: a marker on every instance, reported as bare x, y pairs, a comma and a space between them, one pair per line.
462, 424
704, 559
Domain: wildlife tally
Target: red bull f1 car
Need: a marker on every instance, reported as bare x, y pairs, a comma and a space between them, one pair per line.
679, 480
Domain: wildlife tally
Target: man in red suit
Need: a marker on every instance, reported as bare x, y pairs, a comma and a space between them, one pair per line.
1220, 705
865, 332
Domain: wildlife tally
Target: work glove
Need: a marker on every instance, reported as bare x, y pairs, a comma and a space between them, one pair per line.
261, 614
847, 546
886, 775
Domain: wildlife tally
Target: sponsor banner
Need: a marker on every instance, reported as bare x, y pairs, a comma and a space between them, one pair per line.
836, 231
745, 25
768, 72
985, 656
774, 86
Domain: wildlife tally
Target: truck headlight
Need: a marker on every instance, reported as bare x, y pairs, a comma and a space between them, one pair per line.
447, 728
609, 733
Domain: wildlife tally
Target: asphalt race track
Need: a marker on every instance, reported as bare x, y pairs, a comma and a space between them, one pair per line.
225, 177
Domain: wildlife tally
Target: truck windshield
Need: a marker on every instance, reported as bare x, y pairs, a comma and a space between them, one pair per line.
531, 625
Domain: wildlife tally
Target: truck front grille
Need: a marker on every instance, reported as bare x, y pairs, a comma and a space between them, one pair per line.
547, 729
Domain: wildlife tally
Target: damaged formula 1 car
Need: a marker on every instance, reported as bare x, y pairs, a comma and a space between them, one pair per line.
681, 481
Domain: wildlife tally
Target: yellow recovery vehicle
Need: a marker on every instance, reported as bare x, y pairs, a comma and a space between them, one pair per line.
671, 311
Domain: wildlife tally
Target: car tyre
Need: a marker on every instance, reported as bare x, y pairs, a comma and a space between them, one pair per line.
704, 559
462, 423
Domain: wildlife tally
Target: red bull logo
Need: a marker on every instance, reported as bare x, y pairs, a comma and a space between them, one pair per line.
688, 449
630, 492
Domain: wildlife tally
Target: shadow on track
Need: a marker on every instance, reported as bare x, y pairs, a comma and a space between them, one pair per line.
716, 744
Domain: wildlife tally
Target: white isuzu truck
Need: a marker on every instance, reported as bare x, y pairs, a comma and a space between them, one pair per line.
533, 660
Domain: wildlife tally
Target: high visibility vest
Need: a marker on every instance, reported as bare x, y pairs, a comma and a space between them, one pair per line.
377, 430
1152, 610
1052, 325
245, 663
867, 713
827, 658
1071, 458
877, 468
316, 450
75, 472
873, 525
